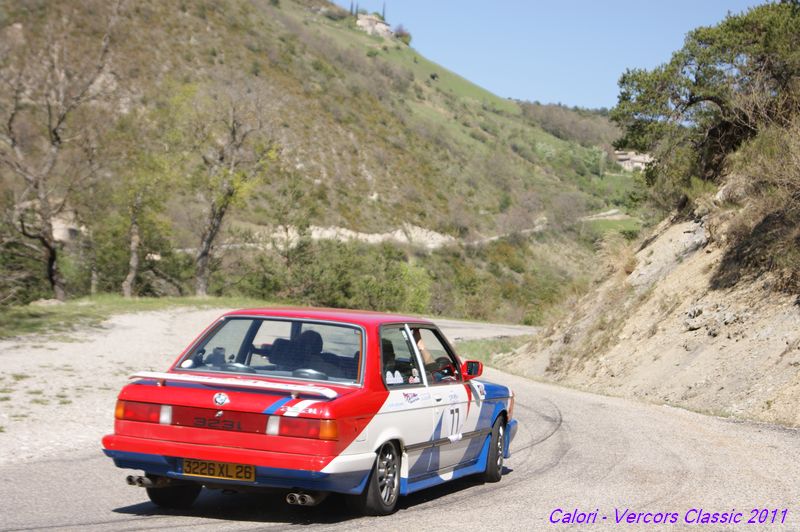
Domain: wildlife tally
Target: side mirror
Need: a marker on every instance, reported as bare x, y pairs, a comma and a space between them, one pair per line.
471, 369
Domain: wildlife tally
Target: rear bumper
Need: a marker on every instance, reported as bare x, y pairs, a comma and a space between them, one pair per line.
164, 458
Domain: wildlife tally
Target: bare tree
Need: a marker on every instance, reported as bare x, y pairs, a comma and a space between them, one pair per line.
47, 79
230, 140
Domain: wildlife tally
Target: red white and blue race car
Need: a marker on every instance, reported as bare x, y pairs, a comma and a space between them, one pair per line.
311, 402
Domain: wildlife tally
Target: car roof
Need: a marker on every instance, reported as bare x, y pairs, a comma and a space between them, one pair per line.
357, 317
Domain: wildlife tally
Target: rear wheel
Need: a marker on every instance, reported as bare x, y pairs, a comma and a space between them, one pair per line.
383, 486
494, 462
181, 496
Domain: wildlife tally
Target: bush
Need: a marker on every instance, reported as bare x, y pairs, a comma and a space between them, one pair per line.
765, 235
402, 35
335, 13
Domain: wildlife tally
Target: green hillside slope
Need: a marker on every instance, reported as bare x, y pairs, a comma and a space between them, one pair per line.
367, 135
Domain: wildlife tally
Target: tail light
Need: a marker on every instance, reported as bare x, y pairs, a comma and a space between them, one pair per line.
320, 429
147, 412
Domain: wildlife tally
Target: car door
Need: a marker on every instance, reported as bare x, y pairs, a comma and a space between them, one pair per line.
454, 412
409, 404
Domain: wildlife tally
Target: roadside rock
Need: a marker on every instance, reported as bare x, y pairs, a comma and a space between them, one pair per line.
676, 244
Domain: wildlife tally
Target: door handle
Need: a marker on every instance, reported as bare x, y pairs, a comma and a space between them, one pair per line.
437, 398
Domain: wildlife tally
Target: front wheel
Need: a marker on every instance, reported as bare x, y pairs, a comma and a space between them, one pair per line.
383, 487
494, 461
181, 496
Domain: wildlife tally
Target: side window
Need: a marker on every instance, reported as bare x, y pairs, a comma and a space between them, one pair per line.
399, 366
440, 366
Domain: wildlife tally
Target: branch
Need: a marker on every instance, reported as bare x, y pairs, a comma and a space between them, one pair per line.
12, 136
17, 168
10, 242
84, 94
26, 233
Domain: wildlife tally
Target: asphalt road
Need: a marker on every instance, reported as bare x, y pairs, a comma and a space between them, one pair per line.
573, 450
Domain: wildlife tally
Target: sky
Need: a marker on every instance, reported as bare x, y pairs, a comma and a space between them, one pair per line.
569, 52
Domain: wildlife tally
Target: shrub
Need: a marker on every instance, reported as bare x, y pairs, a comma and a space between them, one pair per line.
765, 235
402, 35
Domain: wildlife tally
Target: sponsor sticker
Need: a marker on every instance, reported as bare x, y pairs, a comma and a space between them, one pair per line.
410, 397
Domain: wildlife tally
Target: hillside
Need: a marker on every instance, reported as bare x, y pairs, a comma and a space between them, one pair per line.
364, 135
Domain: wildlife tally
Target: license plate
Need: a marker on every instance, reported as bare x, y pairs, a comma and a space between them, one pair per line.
204, 468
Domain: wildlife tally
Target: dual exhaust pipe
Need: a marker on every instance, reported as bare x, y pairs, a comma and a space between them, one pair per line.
294, 498
305, 499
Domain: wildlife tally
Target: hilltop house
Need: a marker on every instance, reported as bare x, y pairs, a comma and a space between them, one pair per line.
374, 25
631, 160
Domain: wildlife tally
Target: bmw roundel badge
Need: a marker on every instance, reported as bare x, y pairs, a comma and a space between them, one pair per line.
221, 399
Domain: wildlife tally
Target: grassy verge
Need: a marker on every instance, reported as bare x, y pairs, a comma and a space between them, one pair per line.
486, 350
91, 311
628, 227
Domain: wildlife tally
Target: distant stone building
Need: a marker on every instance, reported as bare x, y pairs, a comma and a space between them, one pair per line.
631, 160
66, 227
373, 25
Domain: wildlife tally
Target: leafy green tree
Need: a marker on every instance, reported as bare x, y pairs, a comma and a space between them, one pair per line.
725, 84
142, 164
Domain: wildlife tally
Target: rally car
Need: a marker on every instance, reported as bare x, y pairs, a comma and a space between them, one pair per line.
311, 402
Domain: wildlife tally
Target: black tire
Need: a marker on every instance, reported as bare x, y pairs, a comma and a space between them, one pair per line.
494, 461
383, 486
175, 497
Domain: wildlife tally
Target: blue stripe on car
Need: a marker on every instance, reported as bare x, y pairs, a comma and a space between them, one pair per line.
470, 468
277, 404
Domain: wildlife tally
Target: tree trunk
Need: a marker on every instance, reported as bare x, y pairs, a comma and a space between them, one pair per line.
54, 273
49, 242
133, 261
202, 271
91, 257
94, 280
201, 279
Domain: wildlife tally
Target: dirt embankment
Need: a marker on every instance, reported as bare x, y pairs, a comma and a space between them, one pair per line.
655, 330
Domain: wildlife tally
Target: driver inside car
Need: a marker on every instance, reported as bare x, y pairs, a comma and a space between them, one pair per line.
438, 369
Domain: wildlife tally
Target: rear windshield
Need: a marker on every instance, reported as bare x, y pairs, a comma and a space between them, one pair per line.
281, 348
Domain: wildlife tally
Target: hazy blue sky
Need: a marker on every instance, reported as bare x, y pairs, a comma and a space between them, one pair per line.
571, 52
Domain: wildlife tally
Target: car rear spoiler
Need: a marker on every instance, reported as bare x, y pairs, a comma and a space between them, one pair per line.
294, 389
